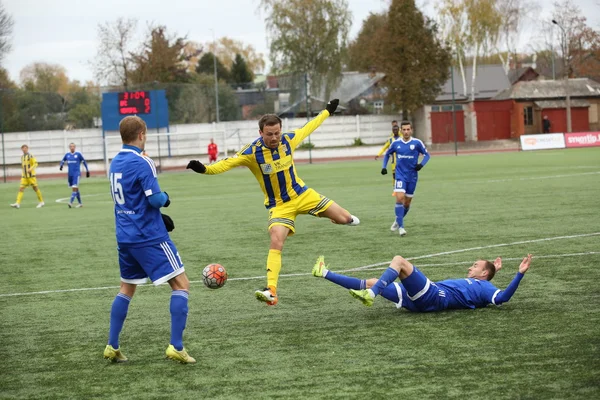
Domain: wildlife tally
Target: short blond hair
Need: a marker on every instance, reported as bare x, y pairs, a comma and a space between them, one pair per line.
130, 127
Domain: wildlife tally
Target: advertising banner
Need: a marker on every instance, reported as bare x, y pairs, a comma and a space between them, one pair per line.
582, 139
544, 141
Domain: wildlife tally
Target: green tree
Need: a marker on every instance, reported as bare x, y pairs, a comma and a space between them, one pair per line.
161, 59
309, 37
415, 62
240, 73
363, 51
206, 66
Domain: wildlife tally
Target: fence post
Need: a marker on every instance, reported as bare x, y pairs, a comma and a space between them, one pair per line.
358, 125
106, 166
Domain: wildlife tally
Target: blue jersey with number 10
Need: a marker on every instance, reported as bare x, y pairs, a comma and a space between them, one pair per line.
407, 158
132, 180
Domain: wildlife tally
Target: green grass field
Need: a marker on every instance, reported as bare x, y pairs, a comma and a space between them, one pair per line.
317, 342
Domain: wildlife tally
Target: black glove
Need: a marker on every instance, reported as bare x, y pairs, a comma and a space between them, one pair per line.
332, 106
60, 168
169, 224
87, 174
418, 167
383, 171
168, 202
196, 166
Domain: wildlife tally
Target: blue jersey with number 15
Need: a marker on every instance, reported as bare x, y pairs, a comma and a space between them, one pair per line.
132, 180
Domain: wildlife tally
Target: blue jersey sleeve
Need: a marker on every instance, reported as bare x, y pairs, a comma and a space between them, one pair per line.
504, 295
62, 162
84, 163
426, 156
391, 150
147, 177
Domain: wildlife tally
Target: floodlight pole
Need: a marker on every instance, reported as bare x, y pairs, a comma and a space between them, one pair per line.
567, 67
453, 111
308, 115
216, 77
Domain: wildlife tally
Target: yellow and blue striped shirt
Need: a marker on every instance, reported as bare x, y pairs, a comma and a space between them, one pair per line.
387, 144
273, 168
28, 166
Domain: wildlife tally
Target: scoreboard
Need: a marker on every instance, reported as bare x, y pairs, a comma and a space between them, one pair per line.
135, 103
149, 105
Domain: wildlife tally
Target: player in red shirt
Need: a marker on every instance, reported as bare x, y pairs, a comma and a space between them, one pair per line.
212, 151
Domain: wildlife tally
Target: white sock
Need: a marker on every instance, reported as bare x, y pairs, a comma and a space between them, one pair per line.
355, 221
325, 272
371, 293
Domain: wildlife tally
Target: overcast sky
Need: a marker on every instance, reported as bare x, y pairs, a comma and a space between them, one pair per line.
65, 31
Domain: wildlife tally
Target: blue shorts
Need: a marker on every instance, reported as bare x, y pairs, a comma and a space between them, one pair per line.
424, 294
405, 187
73, 180
160, 262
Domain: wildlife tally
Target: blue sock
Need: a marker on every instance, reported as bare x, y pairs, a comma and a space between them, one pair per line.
346, 281
387, 277
399, 214
73, 194
78, 197
406, 209
179, 311
118, 313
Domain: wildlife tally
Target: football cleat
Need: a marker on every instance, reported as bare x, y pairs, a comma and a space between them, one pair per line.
355, 221
179, 356
40, 205
402, 231
320, 269
79, 206
362, 295
114, 355
70, 205
15, 205
394, 227
268, 295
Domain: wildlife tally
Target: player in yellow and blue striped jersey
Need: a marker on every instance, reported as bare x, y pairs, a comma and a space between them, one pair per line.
270, 159
28, 178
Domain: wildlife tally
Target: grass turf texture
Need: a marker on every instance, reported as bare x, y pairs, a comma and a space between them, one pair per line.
317, 342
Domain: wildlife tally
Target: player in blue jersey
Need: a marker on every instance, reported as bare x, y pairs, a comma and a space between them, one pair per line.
417, 293
74, 159
145, 249
406, 150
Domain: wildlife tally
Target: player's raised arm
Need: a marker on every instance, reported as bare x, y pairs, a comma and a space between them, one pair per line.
503, 296
239, 160
302, 133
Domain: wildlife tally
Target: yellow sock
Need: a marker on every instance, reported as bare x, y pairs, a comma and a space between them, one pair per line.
19, 197
39, 195
273, 268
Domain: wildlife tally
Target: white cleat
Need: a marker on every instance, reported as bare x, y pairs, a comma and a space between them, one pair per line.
40, 205
394, 227
355, 221
70, 205
79, 206
402, 231
15, 205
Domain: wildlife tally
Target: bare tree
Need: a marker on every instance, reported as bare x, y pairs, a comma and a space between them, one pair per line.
113, 63
6, 29
514, 13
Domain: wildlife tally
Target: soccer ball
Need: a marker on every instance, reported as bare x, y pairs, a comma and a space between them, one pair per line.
214, 276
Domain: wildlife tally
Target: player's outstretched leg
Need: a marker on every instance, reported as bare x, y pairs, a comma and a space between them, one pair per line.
339, 215
321, 270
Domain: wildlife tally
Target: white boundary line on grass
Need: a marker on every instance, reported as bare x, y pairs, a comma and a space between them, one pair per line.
370, 266
83, 195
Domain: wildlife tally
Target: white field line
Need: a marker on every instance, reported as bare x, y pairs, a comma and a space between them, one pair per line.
366, 267
491, 246
529, 178
61, 200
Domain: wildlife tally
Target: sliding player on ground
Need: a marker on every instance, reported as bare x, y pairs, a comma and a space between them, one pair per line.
418, 294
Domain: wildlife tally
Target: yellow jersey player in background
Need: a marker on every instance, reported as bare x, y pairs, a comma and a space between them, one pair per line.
388, 143
270, 159
28, 166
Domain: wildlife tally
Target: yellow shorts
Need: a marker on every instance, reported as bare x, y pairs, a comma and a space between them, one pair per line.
29, 182
309, 202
